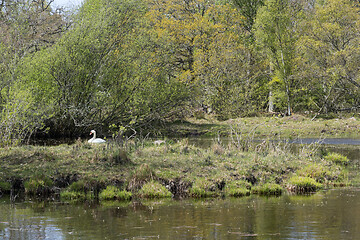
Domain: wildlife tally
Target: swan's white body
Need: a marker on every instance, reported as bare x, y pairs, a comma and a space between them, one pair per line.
94, 139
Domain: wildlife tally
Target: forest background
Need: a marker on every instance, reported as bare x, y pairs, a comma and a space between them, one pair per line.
127, 65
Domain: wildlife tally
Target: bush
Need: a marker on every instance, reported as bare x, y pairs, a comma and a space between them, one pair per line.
113, 193
337, 158
5, 186
304, 184
154, 189
268, 189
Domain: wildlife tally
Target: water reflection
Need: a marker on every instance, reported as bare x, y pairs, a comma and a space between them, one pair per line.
333, 214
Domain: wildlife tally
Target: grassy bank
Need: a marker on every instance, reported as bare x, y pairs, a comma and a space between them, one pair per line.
269, 126
144, 170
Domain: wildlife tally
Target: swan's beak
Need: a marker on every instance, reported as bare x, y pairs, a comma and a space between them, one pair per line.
90, 133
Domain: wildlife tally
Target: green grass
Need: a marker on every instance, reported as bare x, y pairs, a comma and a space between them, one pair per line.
337, 158
114, 193
37, 184
269, 126
237, 188
304, 184
203, 188
211, 172
268, 189
154, 189
73, 196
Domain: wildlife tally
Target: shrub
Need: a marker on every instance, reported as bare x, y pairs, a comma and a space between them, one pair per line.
154, 189
304, 184
337, 158
237, 189
5, 186
113, 193
268, 189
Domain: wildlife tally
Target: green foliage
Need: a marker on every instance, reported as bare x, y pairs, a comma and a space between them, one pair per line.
37, 184
73, 196
154, 189
337, 158
140, 176
315, 171
113, 193
237, 188
203, 188
304, 184
77, 191
5, 186
267, 189
78, 186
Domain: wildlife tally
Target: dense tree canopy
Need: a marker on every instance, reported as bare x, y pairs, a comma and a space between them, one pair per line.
125, 65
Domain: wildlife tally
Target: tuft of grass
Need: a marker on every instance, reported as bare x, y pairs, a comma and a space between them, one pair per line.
140, 176
79, 191
154, 189
268, 189
337, 158
113, 193
203, 188
314, 171
237, 188
38, 184
73, 196
78, 186
218, 149
304, 184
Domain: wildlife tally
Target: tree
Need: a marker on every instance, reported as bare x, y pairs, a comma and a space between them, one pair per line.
248, 9
274, 33
26, 27
330, 54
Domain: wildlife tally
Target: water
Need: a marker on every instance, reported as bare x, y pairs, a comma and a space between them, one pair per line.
332, 214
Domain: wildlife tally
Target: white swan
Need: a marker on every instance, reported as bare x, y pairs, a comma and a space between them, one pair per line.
94, 139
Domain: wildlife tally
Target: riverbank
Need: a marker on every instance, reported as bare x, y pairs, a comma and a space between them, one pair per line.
295, 126
175, 169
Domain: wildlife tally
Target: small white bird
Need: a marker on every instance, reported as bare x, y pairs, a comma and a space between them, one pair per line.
94, 139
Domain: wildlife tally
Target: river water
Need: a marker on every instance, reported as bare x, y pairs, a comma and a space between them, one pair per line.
329, 214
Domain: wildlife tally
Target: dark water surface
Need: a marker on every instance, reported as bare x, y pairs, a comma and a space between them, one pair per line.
332, 214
